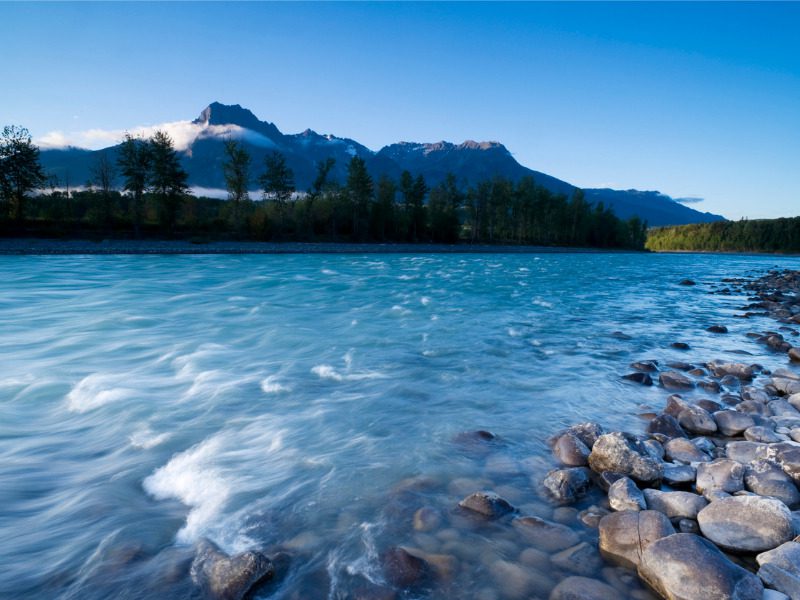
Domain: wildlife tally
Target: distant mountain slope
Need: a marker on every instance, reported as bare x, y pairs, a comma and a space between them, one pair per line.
470, 162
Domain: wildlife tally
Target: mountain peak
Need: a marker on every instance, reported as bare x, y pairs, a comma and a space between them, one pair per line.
217, 113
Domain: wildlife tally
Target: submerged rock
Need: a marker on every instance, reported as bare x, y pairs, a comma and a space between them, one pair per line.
402, 569
582, 559
545, 535
746, 523
684, 566
223, 577
717, 329
570, 450
640, 378
583, 588
623, 453
673, 380
486, 504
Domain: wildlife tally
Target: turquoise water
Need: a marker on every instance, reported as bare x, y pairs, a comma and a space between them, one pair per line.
282, 402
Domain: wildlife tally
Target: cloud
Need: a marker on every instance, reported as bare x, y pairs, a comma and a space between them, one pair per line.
690, 200
183, 134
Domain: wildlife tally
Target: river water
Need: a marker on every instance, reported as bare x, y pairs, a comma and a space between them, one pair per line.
309, 404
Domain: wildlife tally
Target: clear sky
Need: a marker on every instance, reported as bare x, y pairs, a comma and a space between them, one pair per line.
691, 99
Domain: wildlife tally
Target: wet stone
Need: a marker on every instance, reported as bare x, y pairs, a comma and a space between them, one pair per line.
592, 515
545, 535
565, 486
623, 453
679, 474
684, 505
646, 366
746, 523
762, 434
624, 495
582, 588
683, 450
582, 559
697, 420
623, 535
404, 570
638, 377
666, 425
427, 519
717, 329
684, 566
732, 422
223, 577
569, 450
486, 504
680, 345
673, 380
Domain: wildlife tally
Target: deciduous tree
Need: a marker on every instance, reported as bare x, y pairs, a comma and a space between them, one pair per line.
20, 169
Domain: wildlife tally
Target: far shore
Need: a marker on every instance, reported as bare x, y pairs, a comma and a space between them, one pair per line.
35, 246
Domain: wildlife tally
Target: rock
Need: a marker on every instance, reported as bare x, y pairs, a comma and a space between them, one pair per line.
687, 282
673, 380
717, 329
582, 588
781, 580
786, 386
697, 420
765, 478
712, 387
680, 365
647, 366
586, 432
684, 566
516, 582
794, 354
722, 474
782, 408
732, 422
753, 407
623, 453
404, 570
565, 486
683, 450
738, 370
654, 449
679, 474
486, 504
640, 378
624, 495
744, 452
680, 345
762, 434
607, 478
709, 405
570, 450
581, 559
666, 425
683, 505
746, 523
544, 535
592, 515
427, 519
688, 526
624, 535
223, 577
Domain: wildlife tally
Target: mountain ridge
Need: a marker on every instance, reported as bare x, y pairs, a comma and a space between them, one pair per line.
470, 161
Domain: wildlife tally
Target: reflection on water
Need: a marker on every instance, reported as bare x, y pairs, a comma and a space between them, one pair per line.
309, 404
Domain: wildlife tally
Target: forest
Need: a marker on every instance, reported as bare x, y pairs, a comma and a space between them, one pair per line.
144, 194
761, 235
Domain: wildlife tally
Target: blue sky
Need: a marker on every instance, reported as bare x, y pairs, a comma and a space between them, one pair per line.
692, 99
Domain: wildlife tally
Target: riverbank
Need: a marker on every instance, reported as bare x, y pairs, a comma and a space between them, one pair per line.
14, 246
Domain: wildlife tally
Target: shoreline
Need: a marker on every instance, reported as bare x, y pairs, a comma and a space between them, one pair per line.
36, 246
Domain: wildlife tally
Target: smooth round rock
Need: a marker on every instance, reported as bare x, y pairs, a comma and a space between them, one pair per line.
697, 420
673, 380
624, 495
569, 450
486, 504
666, 425
746, 523
732, 422
684, 566
545, 535
623, 535
403, 569
675, 505
765, 478
224, 577
683, 450
722, 475
565, 486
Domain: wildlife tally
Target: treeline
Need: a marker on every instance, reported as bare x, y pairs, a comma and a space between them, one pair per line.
154, 202
762, 235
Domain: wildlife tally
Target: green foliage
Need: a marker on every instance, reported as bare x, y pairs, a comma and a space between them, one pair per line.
236, 169
134, 165
20, 169
167, 179
277, 182
763, 235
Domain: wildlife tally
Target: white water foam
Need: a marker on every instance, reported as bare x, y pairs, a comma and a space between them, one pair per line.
542, 303
96, 390
331, 374
192, 478
146, 438
271, 385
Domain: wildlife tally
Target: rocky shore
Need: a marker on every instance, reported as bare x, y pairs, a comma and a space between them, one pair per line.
704, 504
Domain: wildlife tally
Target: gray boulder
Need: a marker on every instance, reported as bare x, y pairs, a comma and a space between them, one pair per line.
745, 452
732, 422
738, 370
623, 453
697, 420
683, 450
746, 523
762, 434
582, 559
624, 495
765, 478
722, 474
676, 505
624, 535
780, 569
678, 474
223, 577
684, 566
781, 580
666, 425
565, 486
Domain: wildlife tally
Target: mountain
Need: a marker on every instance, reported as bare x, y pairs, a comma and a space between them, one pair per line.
202, 140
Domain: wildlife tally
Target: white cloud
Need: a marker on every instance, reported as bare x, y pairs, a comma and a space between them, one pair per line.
183, 134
